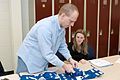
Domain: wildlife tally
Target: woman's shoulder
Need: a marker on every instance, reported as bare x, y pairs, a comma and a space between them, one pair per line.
70, 43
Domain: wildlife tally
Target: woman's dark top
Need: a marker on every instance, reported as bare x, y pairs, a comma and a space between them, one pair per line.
75, 54
78, 55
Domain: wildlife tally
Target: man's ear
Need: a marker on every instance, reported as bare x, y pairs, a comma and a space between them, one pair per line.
63, 15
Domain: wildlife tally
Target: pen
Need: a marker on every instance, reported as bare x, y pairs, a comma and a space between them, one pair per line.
92, 66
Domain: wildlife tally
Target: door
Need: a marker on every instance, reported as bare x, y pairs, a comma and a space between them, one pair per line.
114, 32
79, 23
43, 8
103, 28
58, 4
91, 22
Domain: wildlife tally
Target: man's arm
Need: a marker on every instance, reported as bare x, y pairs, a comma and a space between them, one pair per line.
45, 46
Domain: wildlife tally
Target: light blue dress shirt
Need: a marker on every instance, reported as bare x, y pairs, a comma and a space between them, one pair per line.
41, 43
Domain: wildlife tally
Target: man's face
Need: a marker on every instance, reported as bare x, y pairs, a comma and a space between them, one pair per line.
69, 21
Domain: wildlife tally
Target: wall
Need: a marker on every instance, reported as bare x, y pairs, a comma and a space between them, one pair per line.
16, 26
5, 34
10, 32
25, 17
27, 9
22, 18
31, 13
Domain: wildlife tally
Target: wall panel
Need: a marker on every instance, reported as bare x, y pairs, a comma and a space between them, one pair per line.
114, 32
58, 4
100, 30
103, 28
79, 23
43, 9
91, 22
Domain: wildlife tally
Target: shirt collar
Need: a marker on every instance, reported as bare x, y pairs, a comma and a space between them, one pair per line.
59, 27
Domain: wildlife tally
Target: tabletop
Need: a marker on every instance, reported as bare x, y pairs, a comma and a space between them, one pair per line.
110, 72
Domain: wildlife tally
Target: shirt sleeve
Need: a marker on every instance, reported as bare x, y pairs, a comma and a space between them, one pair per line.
64, 50
45, 46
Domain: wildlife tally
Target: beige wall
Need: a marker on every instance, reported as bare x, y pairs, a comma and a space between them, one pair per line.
5, 35
16, 26
10, 32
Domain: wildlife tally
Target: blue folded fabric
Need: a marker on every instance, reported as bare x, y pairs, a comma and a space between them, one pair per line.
72, 76
77, 75
42, 76
66, 77
29, 77
92, 73
78, 72
50, 76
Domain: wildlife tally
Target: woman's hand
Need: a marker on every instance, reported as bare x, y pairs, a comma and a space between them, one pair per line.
83, 61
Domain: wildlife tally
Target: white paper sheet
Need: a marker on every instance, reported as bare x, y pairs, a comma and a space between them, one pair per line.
100, 62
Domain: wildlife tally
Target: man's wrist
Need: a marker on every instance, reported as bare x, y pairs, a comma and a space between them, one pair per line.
70, 59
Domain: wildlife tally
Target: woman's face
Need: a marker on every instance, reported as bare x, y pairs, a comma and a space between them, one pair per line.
79, 38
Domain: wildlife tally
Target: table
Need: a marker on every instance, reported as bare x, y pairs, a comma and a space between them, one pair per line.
110, 72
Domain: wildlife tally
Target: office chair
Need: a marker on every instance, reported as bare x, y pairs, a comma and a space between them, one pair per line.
60, 56
2, 72
91, 54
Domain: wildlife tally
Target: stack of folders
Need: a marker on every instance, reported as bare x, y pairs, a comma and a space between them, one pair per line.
100, 62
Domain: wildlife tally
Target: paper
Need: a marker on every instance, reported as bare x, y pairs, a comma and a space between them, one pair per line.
100, 63
118, 61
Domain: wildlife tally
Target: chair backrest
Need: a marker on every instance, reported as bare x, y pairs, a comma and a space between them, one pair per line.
60, 56
1, 69
91, 54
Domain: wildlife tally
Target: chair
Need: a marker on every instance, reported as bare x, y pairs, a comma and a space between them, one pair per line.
60, 56
1, 69
91, 54
2, 72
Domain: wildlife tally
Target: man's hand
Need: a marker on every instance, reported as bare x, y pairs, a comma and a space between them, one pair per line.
73, 62
68, 68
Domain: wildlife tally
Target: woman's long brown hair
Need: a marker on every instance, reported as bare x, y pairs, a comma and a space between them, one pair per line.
84, 47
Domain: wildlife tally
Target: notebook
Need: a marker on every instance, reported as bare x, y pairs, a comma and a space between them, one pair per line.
100, 62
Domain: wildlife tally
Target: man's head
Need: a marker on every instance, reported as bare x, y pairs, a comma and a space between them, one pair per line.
68, 15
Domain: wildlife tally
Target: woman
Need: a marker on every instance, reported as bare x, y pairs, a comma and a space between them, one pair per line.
79, 49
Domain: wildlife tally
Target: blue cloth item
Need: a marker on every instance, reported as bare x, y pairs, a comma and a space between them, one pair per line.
78, 72
78, 75
42, 76
72, 76
30, 77
92, 73
50, 76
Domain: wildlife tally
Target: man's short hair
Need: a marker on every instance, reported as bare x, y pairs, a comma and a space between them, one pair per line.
68, 9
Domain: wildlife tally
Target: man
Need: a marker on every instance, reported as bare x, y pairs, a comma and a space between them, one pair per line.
45, 38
